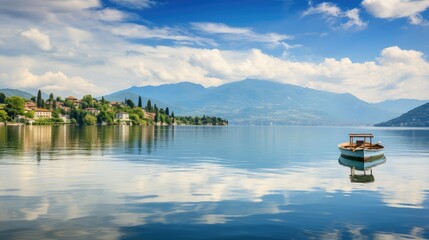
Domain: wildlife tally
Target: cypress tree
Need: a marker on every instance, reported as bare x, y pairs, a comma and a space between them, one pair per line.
51, 96
2, 97
149, 106
140, 102
167, 111
39, 99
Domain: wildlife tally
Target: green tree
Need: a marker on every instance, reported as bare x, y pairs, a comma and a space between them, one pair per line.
84, 105
15, 106
130, 103
51, 97
172, 114
3, 116
140, 102
33, 98
88, 99
39, 99
103, 101
73, 121
149, 106
106, 116
29, 114
2, 97
135, 119
167, 111
156, 118
89, 120
56, 113
139, 112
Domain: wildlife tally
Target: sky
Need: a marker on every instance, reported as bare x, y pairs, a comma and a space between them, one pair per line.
374, 49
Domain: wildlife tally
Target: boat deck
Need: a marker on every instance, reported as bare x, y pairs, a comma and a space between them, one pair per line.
364, 145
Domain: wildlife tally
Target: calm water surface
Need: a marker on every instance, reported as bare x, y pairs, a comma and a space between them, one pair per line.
236, 182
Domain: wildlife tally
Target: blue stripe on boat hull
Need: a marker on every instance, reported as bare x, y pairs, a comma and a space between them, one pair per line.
364, 155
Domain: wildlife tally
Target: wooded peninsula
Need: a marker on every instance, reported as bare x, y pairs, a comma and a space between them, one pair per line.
91, 111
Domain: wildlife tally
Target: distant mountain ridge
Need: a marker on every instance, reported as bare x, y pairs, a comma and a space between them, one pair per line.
253, 101
15, 92
400, 106
417, 117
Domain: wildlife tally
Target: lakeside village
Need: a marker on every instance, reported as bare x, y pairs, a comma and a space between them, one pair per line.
91, 111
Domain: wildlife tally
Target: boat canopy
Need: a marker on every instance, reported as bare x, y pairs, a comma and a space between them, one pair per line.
361, 135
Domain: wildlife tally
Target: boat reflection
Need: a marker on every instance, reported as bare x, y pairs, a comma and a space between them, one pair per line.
364, 174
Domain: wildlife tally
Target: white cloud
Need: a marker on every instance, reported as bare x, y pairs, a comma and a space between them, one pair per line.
395, 55
416, 19
142, 32
37, 37
137, 4
325, 8
242, 34
110, 14
393, 9
56, 82
215, 28
334, 14
353, 19
395, 74
45, 10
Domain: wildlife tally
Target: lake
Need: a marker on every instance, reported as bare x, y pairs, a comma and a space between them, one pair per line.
190, 182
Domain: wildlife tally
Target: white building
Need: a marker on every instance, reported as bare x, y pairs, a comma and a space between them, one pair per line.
122, 116
42, 113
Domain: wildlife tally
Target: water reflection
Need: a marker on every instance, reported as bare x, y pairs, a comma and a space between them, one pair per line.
196, 182
90, 140
360, 171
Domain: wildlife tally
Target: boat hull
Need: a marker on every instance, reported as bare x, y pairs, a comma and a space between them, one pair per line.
360, 165
361, 154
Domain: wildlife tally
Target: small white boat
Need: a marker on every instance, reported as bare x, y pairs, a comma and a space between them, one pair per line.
361, 150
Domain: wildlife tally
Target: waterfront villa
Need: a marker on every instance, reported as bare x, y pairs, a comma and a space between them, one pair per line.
42, 113
122, 116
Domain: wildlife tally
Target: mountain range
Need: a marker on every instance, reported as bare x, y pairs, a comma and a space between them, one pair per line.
15, 92
417, 117
254, 101
21, 93
264, 102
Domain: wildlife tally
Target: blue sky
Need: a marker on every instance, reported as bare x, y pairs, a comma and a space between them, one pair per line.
374, 49
319, 34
